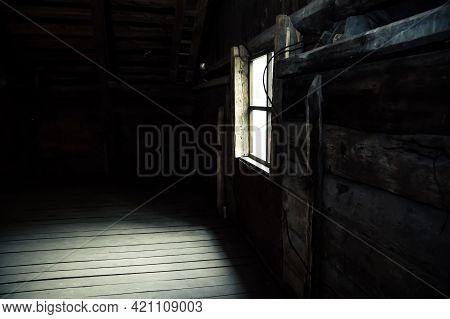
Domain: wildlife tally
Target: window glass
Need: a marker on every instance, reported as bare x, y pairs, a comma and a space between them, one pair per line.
258, 96
258, 133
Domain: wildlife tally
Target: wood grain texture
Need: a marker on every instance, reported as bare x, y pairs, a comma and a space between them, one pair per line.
404, 232
402, 164
424, 29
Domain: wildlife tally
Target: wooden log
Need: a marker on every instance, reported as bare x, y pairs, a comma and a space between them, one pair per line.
421, 30
220, 64
396, 96
318, 14
314, 17
415, 236
401, 164
222, 81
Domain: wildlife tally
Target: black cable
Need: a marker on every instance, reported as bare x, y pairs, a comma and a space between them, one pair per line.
284, 50
300, 46
288, 235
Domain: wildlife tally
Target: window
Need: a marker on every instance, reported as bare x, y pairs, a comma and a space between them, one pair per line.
260, 108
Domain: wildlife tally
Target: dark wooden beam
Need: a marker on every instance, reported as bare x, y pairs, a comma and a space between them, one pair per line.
222, 81
424, 29
407, 161
314, 17
202, 6
223, 63
403, 95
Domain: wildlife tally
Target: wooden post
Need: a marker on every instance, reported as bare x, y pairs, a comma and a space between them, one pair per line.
314, 104
296, 227
240, 99
285, 36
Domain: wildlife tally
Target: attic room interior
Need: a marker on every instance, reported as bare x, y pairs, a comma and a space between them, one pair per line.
229, 149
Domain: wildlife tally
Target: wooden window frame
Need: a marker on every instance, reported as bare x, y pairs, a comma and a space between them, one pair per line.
268, 109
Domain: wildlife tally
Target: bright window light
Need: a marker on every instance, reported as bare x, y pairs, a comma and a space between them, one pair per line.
261, 79
257, 94
258, 126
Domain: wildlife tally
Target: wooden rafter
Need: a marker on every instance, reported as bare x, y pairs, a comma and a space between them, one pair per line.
423, 29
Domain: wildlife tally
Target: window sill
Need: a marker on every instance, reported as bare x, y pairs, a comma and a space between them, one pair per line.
259, 166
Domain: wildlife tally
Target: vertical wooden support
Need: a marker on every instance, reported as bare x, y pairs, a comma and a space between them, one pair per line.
285, 36
229, 157
314, 104
296, 226
240, 99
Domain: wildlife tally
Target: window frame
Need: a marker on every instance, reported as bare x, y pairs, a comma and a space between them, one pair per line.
268, 109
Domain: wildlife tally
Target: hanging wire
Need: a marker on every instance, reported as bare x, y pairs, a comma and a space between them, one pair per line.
299, 46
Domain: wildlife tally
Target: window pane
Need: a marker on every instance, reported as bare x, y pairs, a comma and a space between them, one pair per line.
269, 136
258, 131
258, 96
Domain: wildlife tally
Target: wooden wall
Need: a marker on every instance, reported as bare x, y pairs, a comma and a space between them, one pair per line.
384, 230
253, 202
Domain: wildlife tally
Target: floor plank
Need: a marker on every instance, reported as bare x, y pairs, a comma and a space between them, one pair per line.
67, 243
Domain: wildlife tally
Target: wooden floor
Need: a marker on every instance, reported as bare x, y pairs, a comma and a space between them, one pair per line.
67, 243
